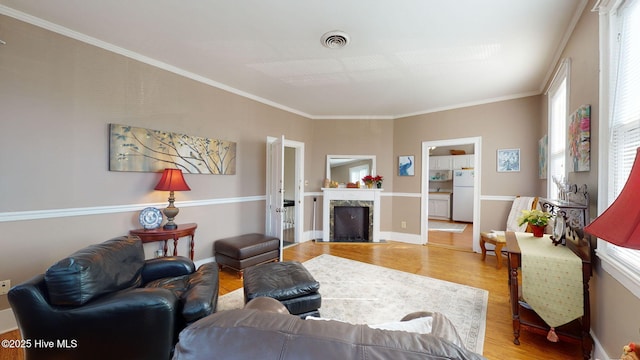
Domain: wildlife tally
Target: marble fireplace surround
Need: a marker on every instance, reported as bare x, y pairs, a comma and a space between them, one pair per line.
333, 197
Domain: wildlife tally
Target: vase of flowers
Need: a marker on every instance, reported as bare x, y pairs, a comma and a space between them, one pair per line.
369, 180
537, 220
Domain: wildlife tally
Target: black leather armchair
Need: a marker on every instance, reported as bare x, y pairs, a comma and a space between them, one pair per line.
107, 302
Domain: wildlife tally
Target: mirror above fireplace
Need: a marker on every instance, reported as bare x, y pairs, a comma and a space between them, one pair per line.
342, 168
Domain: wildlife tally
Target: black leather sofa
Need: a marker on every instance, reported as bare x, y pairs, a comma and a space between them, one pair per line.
107, 302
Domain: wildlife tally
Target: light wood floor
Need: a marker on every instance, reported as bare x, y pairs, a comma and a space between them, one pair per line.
438, 261
458, 241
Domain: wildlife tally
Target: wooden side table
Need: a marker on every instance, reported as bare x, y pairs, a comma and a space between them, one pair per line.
525, 318
161, 234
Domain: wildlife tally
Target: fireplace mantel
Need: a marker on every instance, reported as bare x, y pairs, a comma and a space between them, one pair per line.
347, 194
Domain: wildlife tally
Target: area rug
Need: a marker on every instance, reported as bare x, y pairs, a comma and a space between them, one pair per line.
446, 226
362, 293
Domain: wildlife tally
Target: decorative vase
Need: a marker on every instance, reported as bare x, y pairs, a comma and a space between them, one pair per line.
369, 185
379, 185
538, 230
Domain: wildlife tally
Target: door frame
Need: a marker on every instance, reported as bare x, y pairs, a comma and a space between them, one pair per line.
424, 203
299, 188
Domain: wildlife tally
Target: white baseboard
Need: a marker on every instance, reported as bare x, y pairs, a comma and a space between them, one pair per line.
401, 237
310, 235
598, 350
7, 321
197, 263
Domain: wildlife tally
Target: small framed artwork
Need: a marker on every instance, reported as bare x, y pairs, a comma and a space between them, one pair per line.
406, 165
579, 139
508, 160
543, 146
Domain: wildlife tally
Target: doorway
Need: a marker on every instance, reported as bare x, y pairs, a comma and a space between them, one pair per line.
284, 191
426, 161
289, 222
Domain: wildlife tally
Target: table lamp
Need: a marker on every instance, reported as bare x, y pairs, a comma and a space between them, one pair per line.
171, 180
619, 224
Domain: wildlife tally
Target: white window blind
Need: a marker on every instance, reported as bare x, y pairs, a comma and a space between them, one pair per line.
624, 127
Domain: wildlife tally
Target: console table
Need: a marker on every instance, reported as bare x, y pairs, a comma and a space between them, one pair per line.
161, 234
523, 317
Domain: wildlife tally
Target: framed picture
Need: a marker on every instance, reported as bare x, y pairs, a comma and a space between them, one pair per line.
147, 150
406, 165
543, 146
508, 160
579, 139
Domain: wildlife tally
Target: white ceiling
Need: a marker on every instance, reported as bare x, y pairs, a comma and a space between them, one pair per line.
405, 56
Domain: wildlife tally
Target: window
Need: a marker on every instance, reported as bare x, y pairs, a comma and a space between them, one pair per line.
558, 96
356, 173
620, 125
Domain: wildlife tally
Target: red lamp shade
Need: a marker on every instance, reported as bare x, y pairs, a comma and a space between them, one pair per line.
172, 180
620, 223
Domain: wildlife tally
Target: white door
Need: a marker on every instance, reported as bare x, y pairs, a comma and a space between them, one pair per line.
275, 189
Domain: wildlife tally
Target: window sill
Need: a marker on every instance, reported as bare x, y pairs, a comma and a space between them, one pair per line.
618, 271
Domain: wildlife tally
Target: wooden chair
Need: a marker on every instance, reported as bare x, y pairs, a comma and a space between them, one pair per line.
497, 238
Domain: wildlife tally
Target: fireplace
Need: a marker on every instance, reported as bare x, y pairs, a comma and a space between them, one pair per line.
367, 220
351, 224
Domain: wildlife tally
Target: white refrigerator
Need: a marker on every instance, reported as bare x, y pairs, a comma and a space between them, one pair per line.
463, 195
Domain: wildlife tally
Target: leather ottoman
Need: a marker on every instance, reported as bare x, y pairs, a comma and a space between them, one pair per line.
241, 252
288, 282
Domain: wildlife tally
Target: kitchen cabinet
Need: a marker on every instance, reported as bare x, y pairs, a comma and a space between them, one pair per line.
462, 161
440, 162
440, 206
451, 162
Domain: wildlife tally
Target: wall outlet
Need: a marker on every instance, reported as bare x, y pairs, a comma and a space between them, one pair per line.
403, 224
5, 285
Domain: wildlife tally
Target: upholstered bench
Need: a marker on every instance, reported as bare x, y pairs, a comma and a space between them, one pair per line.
288, 282
241, 252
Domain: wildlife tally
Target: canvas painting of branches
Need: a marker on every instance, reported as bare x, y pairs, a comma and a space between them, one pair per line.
138, 149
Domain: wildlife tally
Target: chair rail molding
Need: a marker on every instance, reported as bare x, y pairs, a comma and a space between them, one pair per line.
111, 209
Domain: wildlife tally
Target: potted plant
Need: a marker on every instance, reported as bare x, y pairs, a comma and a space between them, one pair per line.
369, 180
378, 180
537, 220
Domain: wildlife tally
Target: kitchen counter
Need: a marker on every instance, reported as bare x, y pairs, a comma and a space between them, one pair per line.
440, 193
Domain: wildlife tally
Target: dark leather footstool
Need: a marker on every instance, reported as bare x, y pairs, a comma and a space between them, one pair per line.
288, 282
241, 252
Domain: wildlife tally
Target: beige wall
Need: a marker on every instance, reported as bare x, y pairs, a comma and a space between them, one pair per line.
501, 125
352, 137
582, 50
57, 97
614, 319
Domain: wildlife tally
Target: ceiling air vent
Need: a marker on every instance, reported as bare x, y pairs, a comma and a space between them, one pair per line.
335, 39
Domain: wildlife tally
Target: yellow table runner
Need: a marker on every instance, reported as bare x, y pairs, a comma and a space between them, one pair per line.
551, 279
